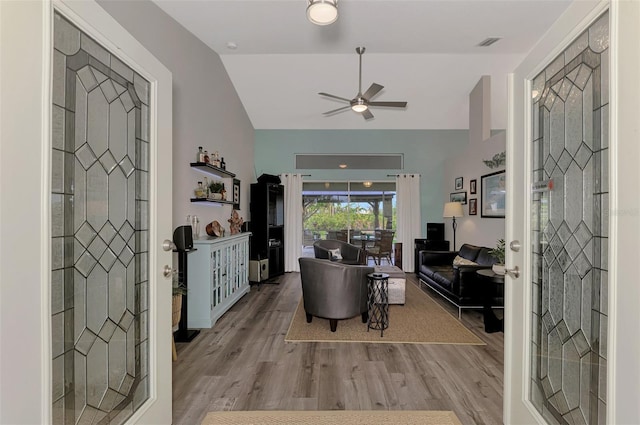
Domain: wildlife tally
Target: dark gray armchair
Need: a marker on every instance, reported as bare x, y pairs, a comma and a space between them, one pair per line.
333, 290
351, 254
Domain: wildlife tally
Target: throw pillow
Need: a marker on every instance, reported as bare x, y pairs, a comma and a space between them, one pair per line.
460, 261
335, 254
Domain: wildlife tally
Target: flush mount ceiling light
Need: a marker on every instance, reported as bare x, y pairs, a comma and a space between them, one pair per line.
367, 184
342, 165
322, 12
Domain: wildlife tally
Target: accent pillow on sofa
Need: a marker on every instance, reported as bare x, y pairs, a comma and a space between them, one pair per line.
335, 254
459, 261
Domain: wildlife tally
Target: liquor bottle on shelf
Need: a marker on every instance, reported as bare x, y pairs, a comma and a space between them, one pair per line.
216, 159
206, 157
200, 191
223, 164
200, 155
206, 187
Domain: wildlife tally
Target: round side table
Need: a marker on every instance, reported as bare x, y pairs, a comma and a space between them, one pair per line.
378, 302
492, 283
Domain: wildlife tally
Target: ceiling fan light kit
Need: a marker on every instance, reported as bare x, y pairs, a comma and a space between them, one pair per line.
361, 103
359, 106
322, 12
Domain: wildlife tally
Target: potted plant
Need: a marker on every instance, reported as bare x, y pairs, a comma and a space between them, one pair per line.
498, 253
216, 190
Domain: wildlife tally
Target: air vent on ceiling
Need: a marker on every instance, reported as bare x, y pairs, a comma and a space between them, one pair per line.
488, 42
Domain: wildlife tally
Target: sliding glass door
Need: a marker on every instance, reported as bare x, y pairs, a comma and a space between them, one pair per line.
348, 211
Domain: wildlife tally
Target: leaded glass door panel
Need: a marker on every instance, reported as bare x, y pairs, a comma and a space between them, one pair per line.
106, 296
569, 231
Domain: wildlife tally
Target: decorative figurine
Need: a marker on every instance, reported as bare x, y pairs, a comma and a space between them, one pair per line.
235, 223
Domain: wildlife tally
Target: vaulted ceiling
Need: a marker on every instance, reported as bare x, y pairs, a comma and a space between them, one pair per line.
424, 52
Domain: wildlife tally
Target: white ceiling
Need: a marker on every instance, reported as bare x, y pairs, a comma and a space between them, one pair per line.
423, 51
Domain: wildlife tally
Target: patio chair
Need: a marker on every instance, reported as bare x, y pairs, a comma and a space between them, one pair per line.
342, 235
383, 246
308, 238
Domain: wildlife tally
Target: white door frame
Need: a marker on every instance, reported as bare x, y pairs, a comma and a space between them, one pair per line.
27, 42
623, 377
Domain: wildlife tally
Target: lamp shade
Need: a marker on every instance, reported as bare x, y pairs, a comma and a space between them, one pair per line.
452, 209
322, 12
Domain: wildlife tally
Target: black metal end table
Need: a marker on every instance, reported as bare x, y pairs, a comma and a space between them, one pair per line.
378, 302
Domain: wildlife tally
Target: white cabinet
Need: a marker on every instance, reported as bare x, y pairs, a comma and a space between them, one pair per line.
218, 277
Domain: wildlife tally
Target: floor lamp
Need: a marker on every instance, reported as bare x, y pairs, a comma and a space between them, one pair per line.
453, 210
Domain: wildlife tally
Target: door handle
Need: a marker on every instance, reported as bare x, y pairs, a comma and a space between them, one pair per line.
515, 246
514, 272
167, 271
168, 245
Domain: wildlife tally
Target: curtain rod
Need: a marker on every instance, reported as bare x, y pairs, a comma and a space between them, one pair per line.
398, 175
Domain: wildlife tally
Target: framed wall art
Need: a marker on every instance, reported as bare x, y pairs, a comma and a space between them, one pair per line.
473, 206
492, 195
458, 197
236, 194
472, 186
459, 182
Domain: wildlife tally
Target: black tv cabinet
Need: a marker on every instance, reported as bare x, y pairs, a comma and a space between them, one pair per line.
267, 225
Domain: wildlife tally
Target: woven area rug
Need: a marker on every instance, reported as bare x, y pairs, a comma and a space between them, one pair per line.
333, 417
420, 321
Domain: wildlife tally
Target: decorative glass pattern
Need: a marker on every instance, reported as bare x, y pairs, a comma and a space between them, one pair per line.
569, 232
99, 241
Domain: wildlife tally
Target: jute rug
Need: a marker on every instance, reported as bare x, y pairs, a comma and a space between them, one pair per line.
419, 321
333, 417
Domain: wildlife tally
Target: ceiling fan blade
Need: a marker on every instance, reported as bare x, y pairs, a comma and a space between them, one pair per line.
389, 104
373, 90
344, 108
335, 97
367, 114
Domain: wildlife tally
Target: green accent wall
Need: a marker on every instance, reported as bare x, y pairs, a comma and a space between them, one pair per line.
425, 152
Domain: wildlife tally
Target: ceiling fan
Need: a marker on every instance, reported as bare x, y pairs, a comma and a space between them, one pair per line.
362, 102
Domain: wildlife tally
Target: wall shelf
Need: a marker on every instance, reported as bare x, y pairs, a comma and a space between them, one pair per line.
210, 169
214, 171
211, 201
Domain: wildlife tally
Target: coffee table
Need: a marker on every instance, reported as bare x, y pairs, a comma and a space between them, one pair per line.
397, 282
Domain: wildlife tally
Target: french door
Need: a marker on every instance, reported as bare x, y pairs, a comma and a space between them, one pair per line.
99, 105
563, 300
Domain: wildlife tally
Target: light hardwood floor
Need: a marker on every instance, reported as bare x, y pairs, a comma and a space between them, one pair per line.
243, 363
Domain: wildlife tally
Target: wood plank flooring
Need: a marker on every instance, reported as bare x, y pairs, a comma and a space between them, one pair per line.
243, 363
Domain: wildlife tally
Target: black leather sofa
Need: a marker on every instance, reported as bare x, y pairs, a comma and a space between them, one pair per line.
460, 284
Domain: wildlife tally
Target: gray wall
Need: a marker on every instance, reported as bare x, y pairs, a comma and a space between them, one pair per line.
425, 152
468, 164
206, 108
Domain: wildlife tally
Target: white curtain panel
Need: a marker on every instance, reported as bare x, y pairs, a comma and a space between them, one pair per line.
409, 218
293, 221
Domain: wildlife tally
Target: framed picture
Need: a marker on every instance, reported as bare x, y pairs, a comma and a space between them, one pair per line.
459, 183
473, 206
472, 186
236, 194
458, 197
492, 195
